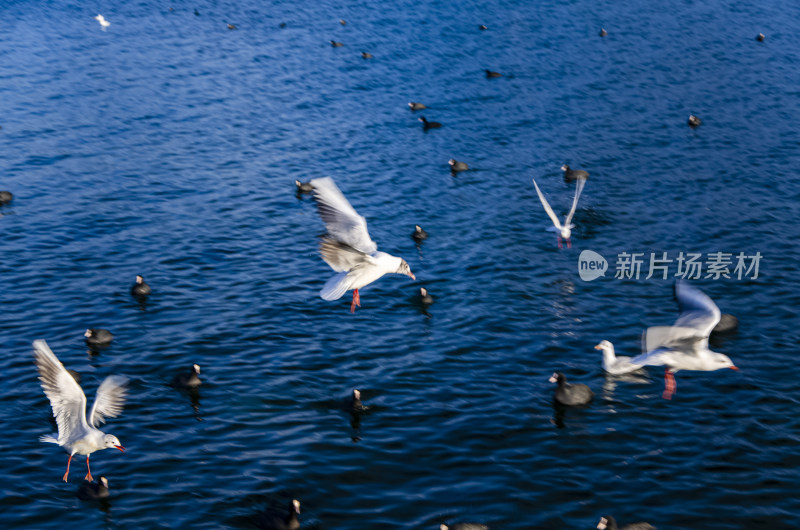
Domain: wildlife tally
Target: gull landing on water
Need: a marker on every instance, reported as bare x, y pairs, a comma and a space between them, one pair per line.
682, 346
76, 434
565, 230
103, 22
348, 248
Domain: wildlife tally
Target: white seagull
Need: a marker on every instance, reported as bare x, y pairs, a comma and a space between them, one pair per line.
682, 346
75, 434
347, 247
611, 363
103, 22
565, 230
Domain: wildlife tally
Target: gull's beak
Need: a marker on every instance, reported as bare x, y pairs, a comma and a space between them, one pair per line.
598, 347
734, 368
412, 275
120, 448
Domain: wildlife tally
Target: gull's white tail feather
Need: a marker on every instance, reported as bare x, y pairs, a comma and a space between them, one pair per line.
335, 287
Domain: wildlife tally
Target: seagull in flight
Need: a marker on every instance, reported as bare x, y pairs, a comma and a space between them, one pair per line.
348, 248
565, 230
77, 434
103, 22
682, 346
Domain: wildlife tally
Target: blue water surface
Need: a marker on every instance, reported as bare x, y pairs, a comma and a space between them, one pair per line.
168, 146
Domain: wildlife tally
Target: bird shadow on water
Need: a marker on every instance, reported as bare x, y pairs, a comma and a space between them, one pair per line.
95, 351
560, 413
194, 398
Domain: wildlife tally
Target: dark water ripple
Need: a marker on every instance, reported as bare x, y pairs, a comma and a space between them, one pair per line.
168, 146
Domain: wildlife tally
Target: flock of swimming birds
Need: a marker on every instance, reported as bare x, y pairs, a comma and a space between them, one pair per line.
352, 254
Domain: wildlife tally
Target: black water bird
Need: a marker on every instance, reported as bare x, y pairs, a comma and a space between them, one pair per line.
188, 380
272, 521
93, 490
416, 106
456, 166
366, 55
490, 74
98, 338
336, 44
424, 297
429, 124
6, 196
603, 32
140, 288
419, 234
573, 174
303, 187
570, 394
354, 404
760, 37
694, 121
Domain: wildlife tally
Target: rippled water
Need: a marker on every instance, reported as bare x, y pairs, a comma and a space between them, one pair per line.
168, 146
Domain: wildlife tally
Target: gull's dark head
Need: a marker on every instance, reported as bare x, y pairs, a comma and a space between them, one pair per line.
111, 441
405, 269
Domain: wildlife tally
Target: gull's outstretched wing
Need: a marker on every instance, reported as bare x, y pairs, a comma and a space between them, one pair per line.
341, 220
340, 256
65, 395
698, 311
109, 400
579, 183
547, 207
666, 337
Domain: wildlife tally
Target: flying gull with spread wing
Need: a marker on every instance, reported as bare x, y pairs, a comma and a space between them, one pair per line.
681, 346
348, 248
78, 434
564, 230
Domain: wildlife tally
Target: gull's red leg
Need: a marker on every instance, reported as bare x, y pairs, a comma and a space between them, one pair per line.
669, 384
88, 470
559, 242
569, 242
67, 473
356, 301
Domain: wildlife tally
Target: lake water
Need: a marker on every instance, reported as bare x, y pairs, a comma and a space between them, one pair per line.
168, 146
